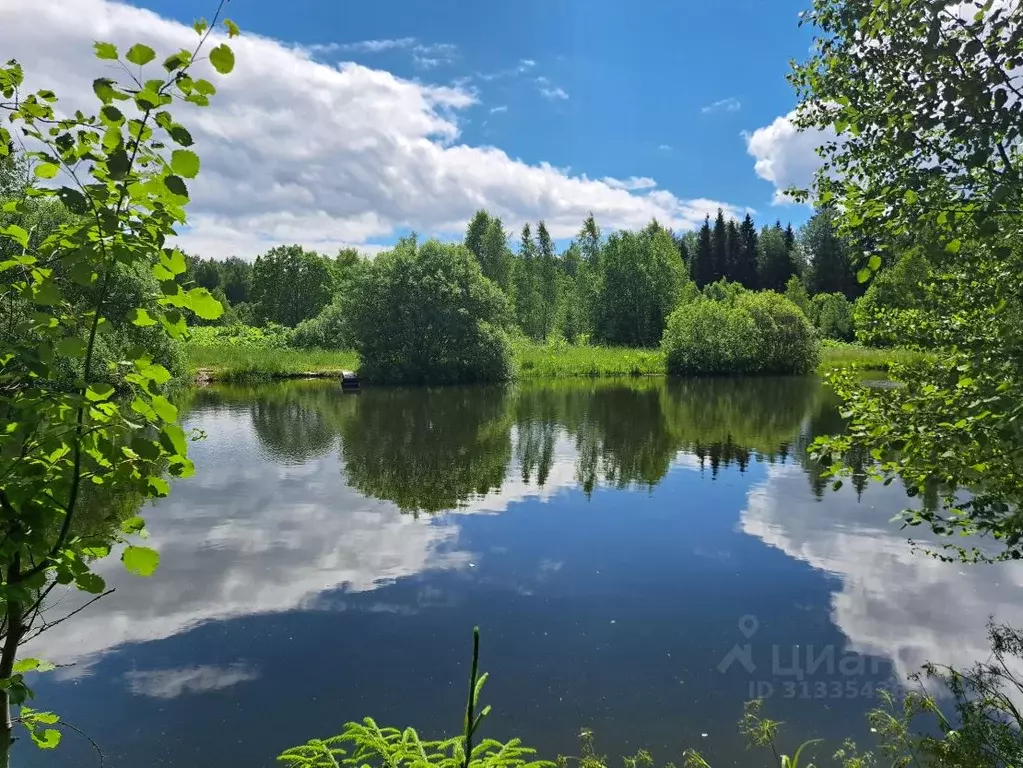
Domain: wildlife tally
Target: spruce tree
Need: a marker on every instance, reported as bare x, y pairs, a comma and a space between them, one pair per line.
747, 265
829, 268
774, 264
527, 300
547, 273
589, 240
720, 243
703, 262
475, 233
734, 248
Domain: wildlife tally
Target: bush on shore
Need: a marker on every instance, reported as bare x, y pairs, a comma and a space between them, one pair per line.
757, 333
427, 315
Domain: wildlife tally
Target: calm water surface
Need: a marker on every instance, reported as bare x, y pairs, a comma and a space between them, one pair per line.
641, 556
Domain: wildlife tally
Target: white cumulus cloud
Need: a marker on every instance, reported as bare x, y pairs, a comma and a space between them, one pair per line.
295, 150
786, 156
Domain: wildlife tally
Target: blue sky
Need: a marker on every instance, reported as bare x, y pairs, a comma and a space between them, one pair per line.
674, 107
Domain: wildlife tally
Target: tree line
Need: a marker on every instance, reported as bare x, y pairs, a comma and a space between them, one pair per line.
616, 290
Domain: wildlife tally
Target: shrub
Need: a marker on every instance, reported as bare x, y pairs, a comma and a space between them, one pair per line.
328, 330
832, 315
895, 291
723, 290
759, 333
708, 338
795, 291
785, 339
427, 314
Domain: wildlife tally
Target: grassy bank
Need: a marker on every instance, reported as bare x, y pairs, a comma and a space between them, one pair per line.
836, 354
235, 362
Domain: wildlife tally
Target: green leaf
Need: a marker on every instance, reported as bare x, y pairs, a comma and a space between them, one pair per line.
48, 739
103, 87
46, 170
159, 486
863, 275
164, 409
140, 54
180, 135
176, 185
141, 561
133, 525
46, 294
172, 437
232, 28
222, 59
72, 346
911, 197
202, 303
90, 582
16, 233
141, 318
874, 263
105, 50
73, 200
184, 162
35, 665
955, 246
98, 392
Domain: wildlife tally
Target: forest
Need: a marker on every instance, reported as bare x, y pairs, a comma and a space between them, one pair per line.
614, 291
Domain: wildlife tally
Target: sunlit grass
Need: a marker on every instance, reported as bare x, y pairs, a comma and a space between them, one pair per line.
240, 362
836, 354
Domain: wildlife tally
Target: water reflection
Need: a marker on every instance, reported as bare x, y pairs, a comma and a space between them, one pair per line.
608, 535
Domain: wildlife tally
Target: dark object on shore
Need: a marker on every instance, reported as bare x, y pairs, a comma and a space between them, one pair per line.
349, 380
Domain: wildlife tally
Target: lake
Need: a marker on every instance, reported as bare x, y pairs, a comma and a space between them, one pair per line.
641, 555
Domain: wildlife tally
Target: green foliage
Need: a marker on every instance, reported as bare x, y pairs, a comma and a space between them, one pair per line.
268, 337
832, 314
795, 291
753, 333
642, 283
88, 301
328, 330
925, 102
775, 264
722, 290
427, 314
290, 284
884, 315
830, 267
371, 745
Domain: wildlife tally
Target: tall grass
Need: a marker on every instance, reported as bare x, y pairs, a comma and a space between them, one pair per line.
230, 362
241, 362
550, 361
839, 354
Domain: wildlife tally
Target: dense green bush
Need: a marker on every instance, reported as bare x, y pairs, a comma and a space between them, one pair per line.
832, 315
785, 340
328, 330
762, 333
895, 290
709, 337
426, 314
270, 336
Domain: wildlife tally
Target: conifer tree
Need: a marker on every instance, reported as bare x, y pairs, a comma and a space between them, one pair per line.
703, 262
733, 247
829, 268
747, 265
527, 299
720, 244
774, 264
547, 273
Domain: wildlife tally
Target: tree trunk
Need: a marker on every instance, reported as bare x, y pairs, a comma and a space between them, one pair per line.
15, 631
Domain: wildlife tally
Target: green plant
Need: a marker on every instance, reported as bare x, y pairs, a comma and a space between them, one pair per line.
113, 427
328, 330
832, 315
426, 314
367, 744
